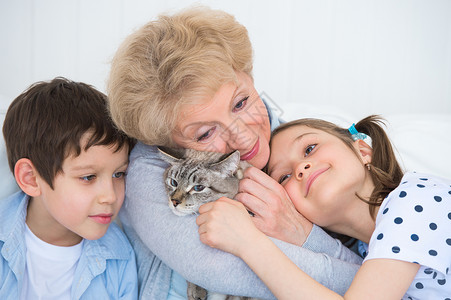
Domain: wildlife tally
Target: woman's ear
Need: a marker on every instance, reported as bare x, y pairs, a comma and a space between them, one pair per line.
365, 151
26, 177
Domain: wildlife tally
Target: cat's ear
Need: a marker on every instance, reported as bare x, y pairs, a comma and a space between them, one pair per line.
228, 164
171, 155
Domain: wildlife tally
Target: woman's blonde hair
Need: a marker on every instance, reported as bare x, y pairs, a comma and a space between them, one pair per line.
175, 60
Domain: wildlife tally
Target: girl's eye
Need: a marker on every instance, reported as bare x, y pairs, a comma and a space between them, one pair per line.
241, 104
283, 178
206, 135
119, 175
309, 149
198, 188
174, 183
88, 178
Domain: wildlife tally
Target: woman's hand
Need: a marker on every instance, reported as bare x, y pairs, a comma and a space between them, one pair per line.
225, 224
275, 214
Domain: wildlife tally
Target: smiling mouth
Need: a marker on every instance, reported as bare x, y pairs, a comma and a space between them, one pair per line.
312, 178
251, 154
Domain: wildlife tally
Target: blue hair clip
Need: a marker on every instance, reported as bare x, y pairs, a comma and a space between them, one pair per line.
359, 135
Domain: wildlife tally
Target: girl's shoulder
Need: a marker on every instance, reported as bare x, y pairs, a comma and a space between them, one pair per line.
423, 180
418, 187
416, 191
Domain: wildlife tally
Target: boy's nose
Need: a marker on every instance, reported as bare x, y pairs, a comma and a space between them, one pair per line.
108, 194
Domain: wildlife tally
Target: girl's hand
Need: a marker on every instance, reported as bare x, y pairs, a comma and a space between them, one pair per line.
226, 225
275, 214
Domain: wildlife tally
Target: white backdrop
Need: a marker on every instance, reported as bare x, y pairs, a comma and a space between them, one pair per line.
363, 56
336, 59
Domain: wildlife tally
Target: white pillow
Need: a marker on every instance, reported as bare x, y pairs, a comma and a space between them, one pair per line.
422, 141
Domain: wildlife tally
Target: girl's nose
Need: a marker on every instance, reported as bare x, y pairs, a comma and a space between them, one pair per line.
302, 169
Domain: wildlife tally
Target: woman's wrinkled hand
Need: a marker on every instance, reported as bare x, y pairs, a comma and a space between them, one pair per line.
274, 213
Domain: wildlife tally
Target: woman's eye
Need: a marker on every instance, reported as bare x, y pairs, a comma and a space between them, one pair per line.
309, 149
174, 183
198, 188
206, 135
283, 178
241, 104
119, 175
88, 178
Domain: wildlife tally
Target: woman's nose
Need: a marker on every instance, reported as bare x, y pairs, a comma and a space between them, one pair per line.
238, 135
302, 169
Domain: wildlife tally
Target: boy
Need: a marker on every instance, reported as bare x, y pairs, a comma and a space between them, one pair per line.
57, 239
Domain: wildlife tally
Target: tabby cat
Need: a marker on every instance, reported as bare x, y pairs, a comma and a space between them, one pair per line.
197, 177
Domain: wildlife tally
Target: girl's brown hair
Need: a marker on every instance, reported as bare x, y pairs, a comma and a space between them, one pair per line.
385, 170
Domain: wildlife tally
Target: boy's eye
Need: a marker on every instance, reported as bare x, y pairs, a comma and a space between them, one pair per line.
119, 175
241, 104
206, 135
283, 178
198, 188
88, 177
309, 149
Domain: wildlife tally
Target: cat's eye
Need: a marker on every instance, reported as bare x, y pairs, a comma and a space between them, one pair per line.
174, 182
198, 188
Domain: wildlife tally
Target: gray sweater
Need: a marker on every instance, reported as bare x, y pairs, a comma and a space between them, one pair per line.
164, 241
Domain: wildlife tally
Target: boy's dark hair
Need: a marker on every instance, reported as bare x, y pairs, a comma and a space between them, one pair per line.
46, 122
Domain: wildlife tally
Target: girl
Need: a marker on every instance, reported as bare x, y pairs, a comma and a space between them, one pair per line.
343, 181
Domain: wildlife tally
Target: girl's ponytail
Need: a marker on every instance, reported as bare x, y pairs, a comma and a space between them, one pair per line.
384, 169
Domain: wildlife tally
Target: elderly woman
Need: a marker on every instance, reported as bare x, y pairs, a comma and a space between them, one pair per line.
185, 80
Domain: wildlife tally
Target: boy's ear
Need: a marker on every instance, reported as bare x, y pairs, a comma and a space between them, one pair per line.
365, 151
26, 177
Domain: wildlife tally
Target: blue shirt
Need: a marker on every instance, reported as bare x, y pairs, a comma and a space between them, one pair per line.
106, 268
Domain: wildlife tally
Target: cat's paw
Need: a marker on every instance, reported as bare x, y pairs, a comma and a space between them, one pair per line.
196, 292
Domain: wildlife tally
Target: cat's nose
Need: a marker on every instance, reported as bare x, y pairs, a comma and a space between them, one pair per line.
176, 202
